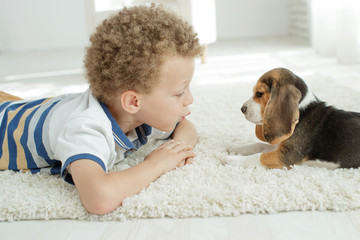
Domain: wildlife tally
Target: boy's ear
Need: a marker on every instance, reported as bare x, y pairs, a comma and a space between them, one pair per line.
130, 101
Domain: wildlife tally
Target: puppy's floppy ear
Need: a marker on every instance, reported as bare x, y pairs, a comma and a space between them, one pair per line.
281, 113
259, 132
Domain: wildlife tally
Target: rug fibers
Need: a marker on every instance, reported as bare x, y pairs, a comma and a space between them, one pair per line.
216, 184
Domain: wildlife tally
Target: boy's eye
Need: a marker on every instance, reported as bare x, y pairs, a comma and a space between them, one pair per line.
180, 94
259, 94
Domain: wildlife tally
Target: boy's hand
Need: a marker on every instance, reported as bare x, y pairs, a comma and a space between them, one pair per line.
170, 155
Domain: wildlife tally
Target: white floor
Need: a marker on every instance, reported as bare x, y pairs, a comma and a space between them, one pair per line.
35, 74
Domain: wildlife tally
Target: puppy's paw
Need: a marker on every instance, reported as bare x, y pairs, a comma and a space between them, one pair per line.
236, 149
252, 161
251, 149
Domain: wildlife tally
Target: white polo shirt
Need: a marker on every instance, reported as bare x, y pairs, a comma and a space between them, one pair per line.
48, 134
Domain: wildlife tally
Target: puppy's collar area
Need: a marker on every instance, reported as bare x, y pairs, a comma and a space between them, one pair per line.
309, 98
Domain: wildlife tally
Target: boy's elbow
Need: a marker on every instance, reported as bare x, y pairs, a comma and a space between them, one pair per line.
101, 204
98, 208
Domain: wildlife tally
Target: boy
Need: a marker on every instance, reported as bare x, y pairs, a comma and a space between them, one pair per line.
139, 66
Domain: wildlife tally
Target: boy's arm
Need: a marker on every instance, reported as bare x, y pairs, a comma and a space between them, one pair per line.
102, 192
186, 132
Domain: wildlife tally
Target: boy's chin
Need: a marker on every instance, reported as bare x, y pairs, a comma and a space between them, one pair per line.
167, 129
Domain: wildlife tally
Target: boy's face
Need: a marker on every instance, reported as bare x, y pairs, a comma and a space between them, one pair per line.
168, 102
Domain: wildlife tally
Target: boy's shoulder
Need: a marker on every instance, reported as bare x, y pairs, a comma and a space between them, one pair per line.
79, 106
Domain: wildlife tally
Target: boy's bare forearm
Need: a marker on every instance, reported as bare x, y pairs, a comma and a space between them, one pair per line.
186, 132
131, 181
102, 192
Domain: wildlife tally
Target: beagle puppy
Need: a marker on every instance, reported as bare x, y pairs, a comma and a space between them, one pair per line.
288, 115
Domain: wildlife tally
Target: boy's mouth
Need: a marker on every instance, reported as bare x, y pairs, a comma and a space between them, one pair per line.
183, 117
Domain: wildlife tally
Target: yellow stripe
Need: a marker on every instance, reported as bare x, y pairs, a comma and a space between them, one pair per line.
120, 140
21, 159
4, 161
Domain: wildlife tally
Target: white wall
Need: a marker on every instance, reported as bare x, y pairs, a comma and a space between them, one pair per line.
27, 25
251, 18
299, 19
56, 24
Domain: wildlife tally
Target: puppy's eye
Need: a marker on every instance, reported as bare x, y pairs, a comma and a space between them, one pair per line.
259, 94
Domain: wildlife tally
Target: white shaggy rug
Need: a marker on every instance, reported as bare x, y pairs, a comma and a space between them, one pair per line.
216, 184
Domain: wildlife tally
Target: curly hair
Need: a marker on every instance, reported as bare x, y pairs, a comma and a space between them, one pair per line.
127, 49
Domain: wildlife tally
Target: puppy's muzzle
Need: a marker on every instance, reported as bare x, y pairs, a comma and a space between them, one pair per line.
243, 109
252, 111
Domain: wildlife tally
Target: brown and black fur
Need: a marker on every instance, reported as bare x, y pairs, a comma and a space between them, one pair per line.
314, 131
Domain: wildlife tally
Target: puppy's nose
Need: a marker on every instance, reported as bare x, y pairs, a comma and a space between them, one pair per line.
243, 109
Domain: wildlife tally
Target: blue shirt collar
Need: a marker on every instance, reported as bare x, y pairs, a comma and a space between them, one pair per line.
119, 136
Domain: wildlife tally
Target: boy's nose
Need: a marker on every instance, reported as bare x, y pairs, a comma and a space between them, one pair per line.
189, 99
